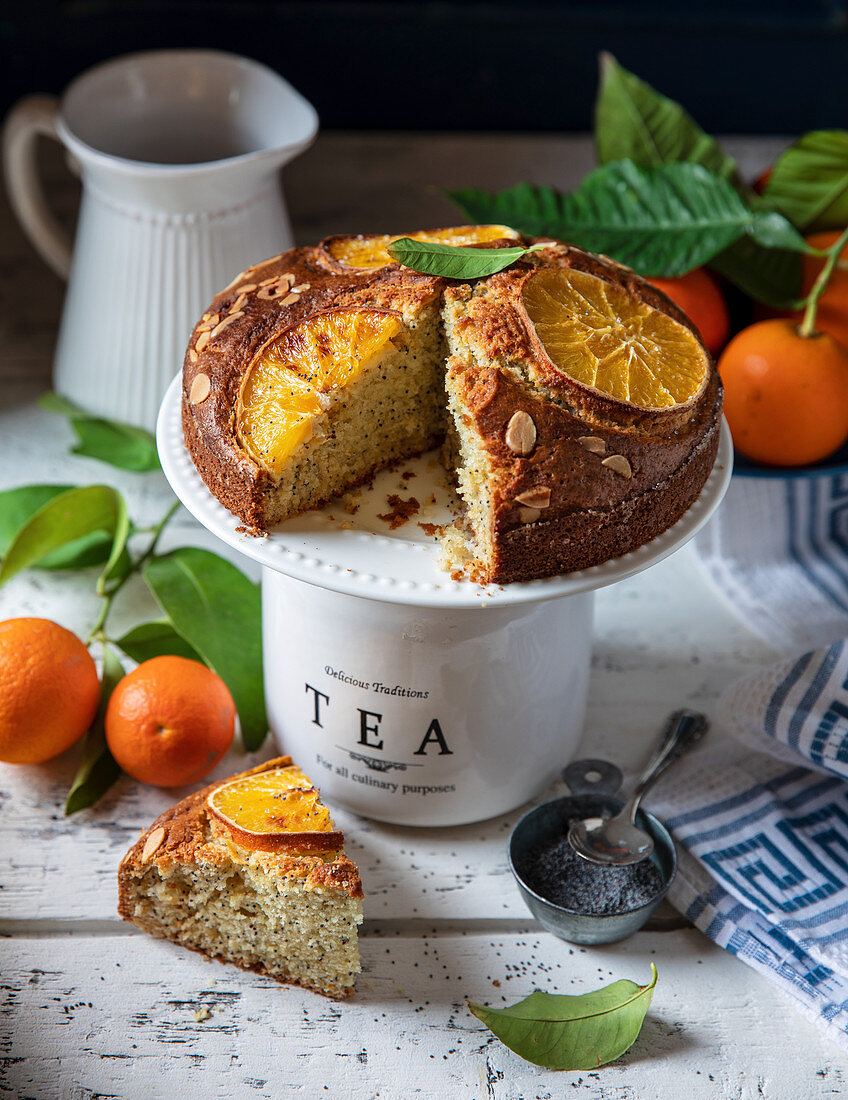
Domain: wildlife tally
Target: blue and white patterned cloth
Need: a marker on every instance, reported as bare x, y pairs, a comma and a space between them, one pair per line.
777, 551
762, 831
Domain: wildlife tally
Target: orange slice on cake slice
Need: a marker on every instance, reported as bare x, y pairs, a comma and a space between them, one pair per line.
607, 339
369, 252
291, 382
275, 811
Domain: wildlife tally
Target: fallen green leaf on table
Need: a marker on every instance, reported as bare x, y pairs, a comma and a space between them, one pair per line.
661, 221
99, 769
559, 1031
123, 445
63, 520
18, 506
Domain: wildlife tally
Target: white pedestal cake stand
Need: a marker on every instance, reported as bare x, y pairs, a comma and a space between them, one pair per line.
407, 696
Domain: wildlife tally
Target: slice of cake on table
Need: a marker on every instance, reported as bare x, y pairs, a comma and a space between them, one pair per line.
251, 871
580, 407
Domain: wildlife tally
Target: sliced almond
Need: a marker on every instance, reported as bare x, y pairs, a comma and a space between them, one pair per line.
152, 844
300, 289
246, 289
238, 303
540, 497
528, 515
273, 279
227, 321
619, 464
202, 340
192, 355
592, 443
290, 299
200, 387
521, 433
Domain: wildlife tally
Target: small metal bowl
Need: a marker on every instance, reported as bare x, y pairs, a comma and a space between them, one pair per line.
551, 820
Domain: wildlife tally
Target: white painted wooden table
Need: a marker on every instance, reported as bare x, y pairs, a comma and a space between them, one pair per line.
92, 1008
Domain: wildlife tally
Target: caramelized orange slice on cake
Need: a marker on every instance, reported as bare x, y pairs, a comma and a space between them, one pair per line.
275, 811
288, 386
367, 253
612, 342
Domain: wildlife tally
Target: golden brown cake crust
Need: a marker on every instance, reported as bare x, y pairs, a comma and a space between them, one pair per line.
209, 426
595, 513
184, 836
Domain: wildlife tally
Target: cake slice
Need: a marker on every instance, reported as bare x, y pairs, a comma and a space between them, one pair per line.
251, 871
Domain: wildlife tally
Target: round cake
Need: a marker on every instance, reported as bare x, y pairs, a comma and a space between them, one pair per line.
579, 409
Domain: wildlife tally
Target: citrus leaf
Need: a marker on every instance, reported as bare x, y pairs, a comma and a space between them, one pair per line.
772, 276
453, 261
558, 1031
634, 121
156, 639
123, 445
661, 221
217, 610
98, 770
67, 517
809, 184
17, 506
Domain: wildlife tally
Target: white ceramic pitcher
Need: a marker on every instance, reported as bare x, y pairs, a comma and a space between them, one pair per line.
179, 152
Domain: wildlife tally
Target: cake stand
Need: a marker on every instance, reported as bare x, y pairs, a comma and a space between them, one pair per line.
407, 696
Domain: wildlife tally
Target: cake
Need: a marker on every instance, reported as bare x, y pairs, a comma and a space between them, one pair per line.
250, 871
579, 408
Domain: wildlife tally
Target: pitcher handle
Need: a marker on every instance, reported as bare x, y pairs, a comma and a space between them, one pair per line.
30, 118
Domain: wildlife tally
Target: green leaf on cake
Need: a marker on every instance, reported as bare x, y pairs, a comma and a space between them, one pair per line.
809, 183
156, 639
660, 221
217, 610
65, 519
454, 261
18, 506
564, 1032
123, 445
634, 121
98, 770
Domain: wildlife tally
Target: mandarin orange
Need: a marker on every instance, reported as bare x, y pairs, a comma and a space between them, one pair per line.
785, 395
49, 690
170, 721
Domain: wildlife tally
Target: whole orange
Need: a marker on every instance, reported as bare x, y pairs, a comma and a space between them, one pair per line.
832, 312
698, 295
49, 690
170, 721
785, 395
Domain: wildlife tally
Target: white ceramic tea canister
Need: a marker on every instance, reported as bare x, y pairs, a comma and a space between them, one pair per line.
424, 715
179, 153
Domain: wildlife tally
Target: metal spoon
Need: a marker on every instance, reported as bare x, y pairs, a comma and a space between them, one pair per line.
618, 840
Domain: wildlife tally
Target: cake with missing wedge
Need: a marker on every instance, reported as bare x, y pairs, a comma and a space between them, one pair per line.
580, 408
250, 871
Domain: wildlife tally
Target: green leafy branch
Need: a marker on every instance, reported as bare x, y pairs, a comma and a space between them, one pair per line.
565, 1032
667, 198
205, 600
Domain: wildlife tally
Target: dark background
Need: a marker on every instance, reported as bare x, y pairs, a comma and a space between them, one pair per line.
741, 66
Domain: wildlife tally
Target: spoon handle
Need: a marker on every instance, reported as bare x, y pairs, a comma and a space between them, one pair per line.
683, 729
